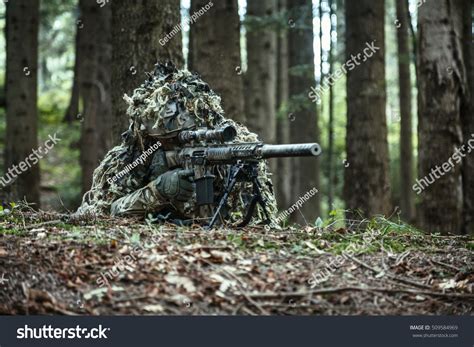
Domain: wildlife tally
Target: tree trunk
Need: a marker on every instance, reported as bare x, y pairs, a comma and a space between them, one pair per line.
330, 155
215, 52
94, 85
304, 127
407, 203
366, 180
467, 119
283, 172
138, 30
21, 99
321, 50
441, 82
341, 29
192, 9
104, 76
72, 112
261, 72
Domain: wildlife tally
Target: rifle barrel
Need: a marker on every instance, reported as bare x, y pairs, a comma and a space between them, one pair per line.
290, 150
228, 153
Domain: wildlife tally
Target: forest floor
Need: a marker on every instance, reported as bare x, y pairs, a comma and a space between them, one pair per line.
120, 266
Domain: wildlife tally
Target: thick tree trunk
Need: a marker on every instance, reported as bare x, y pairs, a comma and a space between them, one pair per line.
467, 119
138, 30
261, 72
104, 76
407, 203
283, 172
304, 127
215, 52
21, 99
94, 46
441, 83
366, 181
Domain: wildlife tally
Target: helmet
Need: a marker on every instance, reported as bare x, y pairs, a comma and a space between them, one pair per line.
170, 101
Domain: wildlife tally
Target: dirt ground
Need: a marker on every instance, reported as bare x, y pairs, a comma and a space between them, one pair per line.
126, 267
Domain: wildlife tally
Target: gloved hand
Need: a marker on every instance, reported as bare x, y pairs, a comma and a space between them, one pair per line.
175, 185
158, 165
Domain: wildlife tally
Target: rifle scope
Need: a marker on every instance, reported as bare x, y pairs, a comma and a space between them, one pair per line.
223, 134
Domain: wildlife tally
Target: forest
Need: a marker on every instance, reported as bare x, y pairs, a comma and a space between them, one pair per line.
385, 87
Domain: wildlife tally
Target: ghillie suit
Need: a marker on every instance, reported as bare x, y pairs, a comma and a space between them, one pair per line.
169, 101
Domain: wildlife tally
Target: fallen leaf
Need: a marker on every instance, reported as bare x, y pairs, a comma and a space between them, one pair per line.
156, 308
181, 281
223, 256
100, 292
37, 230
225, 284
204, 254
450, 284
40, 236
311, 245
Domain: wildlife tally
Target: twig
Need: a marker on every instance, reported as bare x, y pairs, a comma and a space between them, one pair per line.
237, 309
62, 204
402, 257
247, 310
33, 226
388, 299
445, 265
253, 302
354, 288
209, 247
241, 285
413, 283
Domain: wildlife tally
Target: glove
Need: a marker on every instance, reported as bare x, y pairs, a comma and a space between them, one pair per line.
175, 185
158, 165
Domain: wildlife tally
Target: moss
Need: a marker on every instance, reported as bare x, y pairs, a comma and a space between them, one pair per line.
236, 239
12, 231
379, 232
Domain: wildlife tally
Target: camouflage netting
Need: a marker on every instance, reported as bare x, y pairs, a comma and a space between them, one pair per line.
167, 91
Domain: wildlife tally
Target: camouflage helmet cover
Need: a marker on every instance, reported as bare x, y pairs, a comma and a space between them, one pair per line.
172, 100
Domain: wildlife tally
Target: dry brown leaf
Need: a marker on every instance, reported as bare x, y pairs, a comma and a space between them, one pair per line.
224, 256
41, 235
154, 308
449, 284
37, 230
204, 254
181, 281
